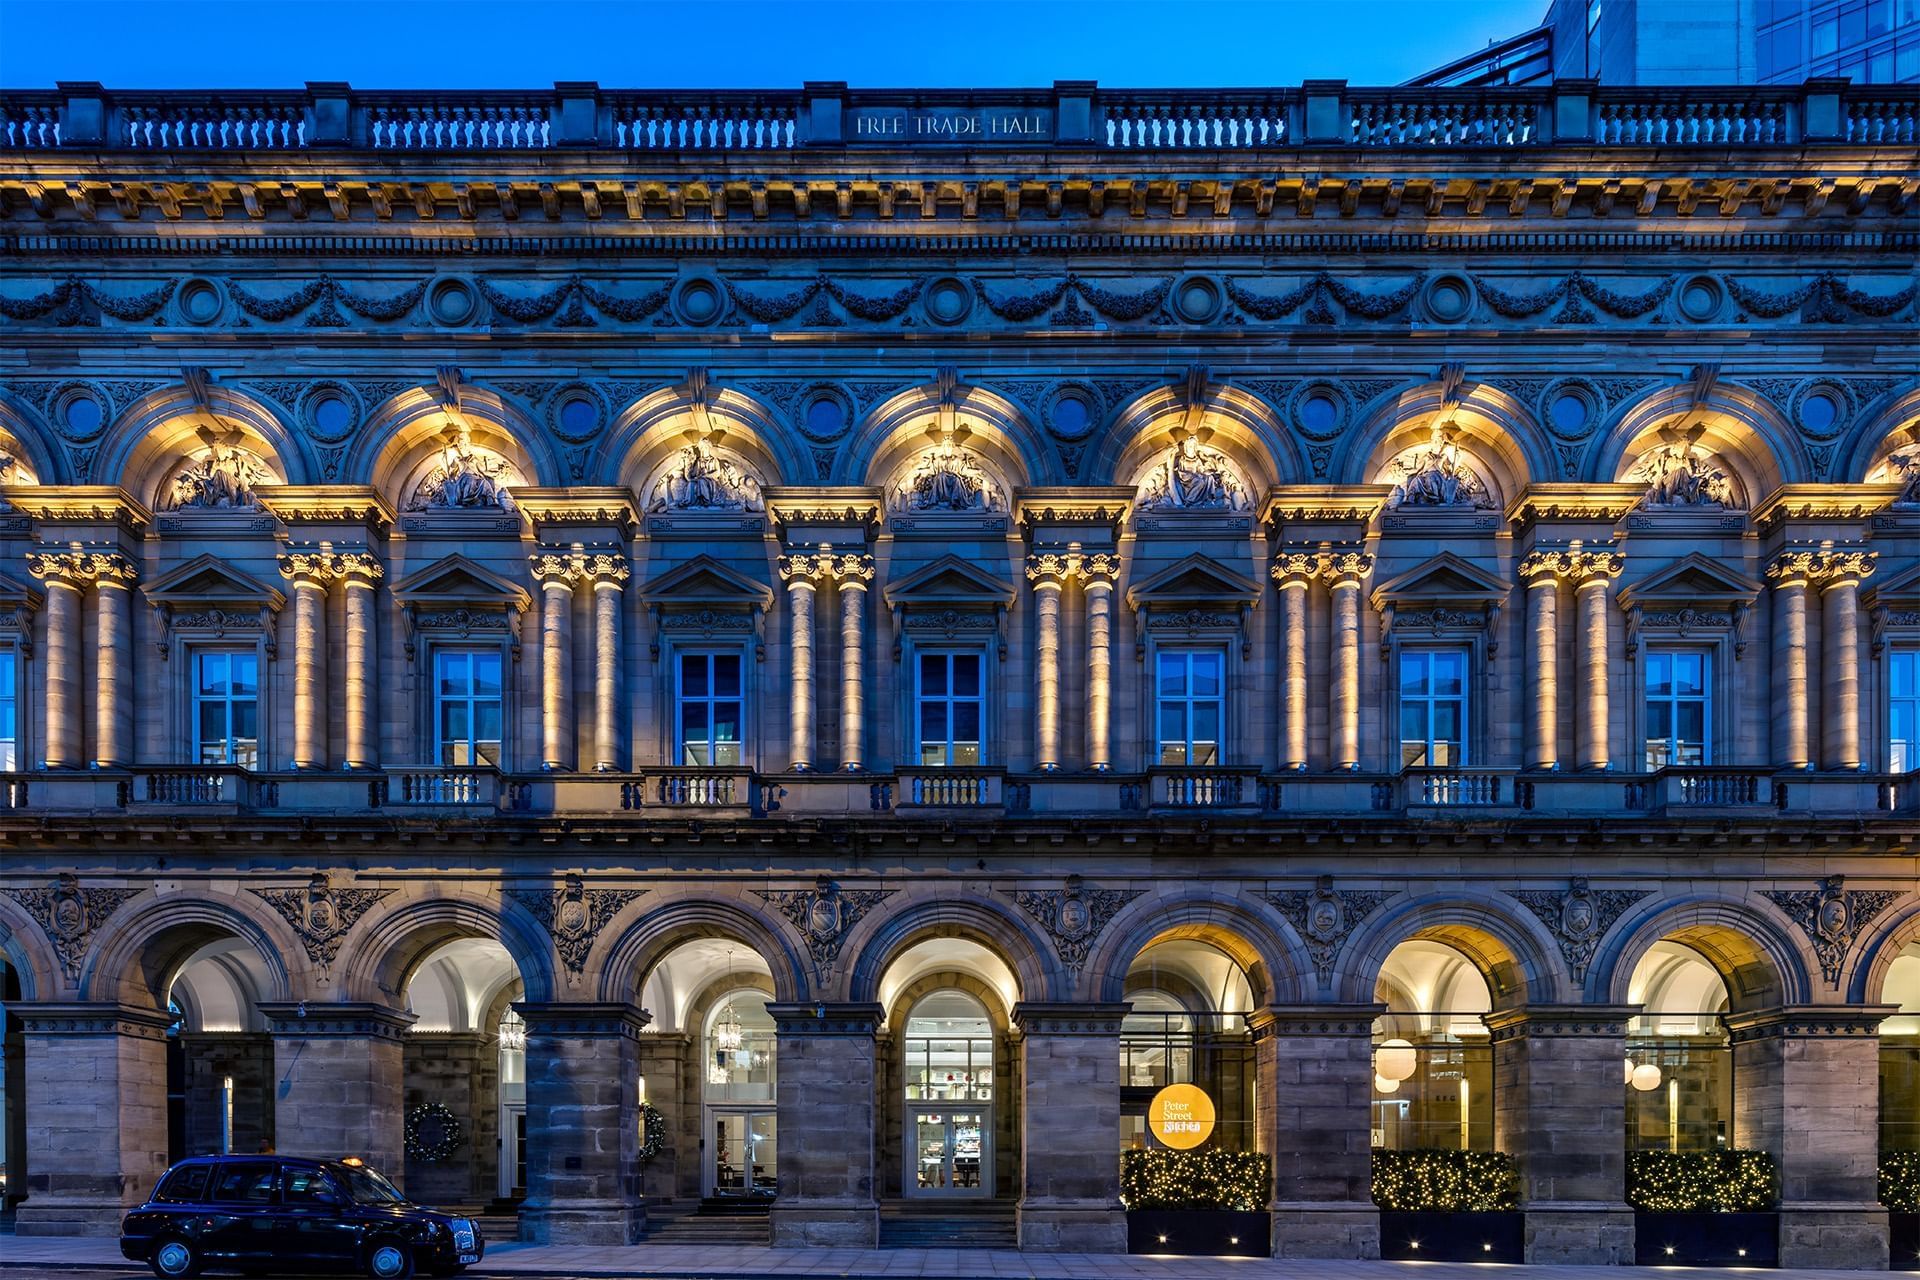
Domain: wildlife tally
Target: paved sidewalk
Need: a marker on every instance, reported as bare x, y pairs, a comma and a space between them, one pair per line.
35, 1256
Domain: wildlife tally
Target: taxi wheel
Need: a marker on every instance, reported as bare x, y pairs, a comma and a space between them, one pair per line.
174, 1260
389, 1260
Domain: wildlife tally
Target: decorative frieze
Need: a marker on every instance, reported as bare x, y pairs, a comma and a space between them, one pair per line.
1832, 916
71, 914
322, 915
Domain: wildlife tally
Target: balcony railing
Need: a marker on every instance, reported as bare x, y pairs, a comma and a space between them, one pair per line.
689, 788
1706, 787
1189, 788
1072, 114
444, 788
950, 789
1456, 788
196, 786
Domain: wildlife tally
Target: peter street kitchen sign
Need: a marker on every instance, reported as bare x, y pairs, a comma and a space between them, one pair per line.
969, 126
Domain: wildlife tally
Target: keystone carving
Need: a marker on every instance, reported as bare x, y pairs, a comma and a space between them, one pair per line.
322, 914
1832, 916
1326, 917
71, 915
824, 914
573, 916
1578, 917
1073, 917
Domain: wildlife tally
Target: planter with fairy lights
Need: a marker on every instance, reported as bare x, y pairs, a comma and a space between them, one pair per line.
1197, 1203
1704, 1208
1445, 1205
1900, 1192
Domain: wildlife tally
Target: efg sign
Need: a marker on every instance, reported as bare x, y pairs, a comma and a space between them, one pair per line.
1181, 1116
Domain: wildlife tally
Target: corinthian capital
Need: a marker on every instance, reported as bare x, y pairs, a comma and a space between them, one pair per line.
1821, 566
313, 564
826, 566
579, 566
1100, 567
79, 568
1574, 564
1345, 564
1295, 566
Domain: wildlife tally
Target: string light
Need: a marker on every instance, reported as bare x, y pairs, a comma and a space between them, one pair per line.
1161, 1178
1728, 1181
1445, 1180
1900, 1181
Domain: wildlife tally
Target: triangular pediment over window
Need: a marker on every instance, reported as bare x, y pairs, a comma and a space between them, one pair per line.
704, 582
1444, 579
1695, 580
209, 580
456, 580
1902, 588
950, 583
1196, 580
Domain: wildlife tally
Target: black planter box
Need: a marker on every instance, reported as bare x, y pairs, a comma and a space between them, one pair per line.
1903, 1240
1200, 1232
1706, 1239
1416, 1236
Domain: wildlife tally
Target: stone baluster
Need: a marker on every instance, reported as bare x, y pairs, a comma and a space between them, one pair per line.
1294, 572
583, 1124
338, 1084
1840, 657
556, 573
853, 573
360, 577
1345, 571
1048, 573
1100, 573
610, 573
1788, 573
1313, 1100
113, 661
1541, 574
310, 570
825, 1100
1069, 1161
64, 574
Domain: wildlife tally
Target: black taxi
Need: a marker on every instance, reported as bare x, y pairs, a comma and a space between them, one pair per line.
266, 1215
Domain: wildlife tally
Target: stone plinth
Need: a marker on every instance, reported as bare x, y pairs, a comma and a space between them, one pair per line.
1070, 1140
337, 1082
583, 1124
96, 1114
1560, 1111
1313, 1100
826, 1105
1807, 1088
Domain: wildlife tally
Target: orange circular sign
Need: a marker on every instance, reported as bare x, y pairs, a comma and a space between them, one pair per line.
1181, 1116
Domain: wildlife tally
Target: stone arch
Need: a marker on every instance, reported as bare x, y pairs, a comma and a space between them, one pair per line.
1009, 448
949, 980
1751, 946
1762, 449
147, 443
1250, 933
24, 944
1244, 427
145, 943
1505, 444
1518, 960
1878, 951
384, 948
1874, 436
648, 431
35, 439
632, 952
879, 940
406, 428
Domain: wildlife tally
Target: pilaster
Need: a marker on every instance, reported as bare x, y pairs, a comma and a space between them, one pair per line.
583, 1124
1345, 570
825, 1103
339, 1081
1069, 1146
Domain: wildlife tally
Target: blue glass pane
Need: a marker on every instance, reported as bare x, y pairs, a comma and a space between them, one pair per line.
245, 669
213, 673
966, 675
1206, 675
726, 721
726, 675
1659, 674
453, 672
933, 674
1173, 675
486, 674
966, 722
1901, 669
1413, 675
1450, 672
1689, 673
933, 722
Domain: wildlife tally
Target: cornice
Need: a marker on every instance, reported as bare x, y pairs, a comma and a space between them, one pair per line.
1574, 502
559, 510
93, 504
358, 506
1822, 502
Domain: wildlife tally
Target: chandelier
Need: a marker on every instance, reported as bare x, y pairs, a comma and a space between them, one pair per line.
513, 1033
728, 1035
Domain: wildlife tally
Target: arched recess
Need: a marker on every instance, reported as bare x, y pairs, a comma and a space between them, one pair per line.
146, 943
26, 434
1495, 436
879, 940
24, 945
1883, 431
385, 948
632, 953
894, 433
1753, 949
1236, 423
158, 435
1741, 430
1433, 1072
403, 439
1518, 961
1247, 932
646, 435
1893, 936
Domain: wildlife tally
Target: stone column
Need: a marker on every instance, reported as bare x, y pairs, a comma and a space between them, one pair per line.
1345, 571
854, 573
798, 572
1560, 1112
1593, 727
609, 574
1840, 658
63, 661
113, 661
826, 1108
1806, 1087
1048, 574
338, 1082
1543, 662
1788, 573
1294, 572
674, 1171
96, 1114
360, 578
309, 571
583, 1124
1313, 1099
556, 663
1070, 1118
1099, 583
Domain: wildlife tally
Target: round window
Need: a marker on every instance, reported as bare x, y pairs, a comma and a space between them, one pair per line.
1569, 414
1819, 411
826, 416
1071, 416
1319, 412
578, 417
333, 415
83, 415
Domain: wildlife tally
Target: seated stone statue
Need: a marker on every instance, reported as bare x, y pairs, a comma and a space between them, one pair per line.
700, 479
465, 479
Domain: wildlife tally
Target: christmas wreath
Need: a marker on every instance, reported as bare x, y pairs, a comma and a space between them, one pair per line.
653, 1131
434, 1133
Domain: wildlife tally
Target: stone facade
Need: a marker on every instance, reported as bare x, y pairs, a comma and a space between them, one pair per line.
613, 527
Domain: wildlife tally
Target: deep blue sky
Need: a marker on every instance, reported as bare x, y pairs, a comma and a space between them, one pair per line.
263, 44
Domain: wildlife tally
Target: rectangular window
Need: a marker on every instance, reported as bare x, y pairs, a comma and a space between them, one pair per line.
9, 710
708, 716
467, 706
950, 702
226, 708
1189, 687
1677, 708
1433, 708
1903, 710
245, 1184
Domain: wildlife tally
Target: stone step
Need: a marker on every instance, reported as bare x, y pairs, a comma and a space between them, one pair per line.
919, 1225
694, 1229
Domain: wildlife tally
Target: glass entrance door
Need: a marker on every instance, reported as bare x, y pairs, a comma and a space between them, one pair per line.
742, 1151
950, 1152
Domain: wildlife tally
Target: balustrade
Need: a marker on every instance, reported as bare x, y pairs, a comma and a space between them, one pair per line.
950, 789
438, 125
1211, 124
719, 126
1872, 121
1409, 121
1451, 789
458, 788
1691, 122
